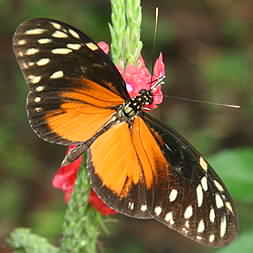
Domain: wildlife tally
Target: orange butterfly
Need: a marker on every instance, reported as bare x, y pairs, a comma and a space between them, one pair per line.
138, 166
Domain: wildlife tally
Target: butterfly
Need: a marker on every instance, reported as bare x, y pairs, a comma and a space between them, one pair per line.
137, 165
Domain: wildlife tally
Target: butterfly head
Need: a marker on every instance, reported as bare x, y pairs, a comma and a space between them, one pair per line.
140, 102
135, 105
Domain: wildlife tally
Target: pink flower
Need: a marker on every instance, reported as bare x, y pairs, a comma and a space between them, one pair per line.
99, 204
65, 177
137, 77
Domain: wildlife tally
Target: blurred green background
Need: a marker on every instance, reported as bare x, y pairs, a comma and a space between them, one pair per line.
208, 49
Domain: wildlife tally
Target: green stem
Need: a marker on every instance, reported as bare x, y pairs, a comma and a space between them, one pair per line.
125, 31
117, 29
133, 31
82, 223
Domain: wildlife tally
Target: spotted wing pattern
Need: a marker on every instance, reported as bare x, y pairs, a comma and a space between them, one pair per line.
73, 85
197, 203
161, 176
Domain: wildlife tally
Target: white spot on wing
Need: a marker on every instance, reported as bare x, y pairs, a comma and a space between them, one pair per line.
57, 74
212, 215
198, 237
21, 42
37, 99
43, 61
20, 53
35, 31
204, 183
59, 34
44, 41
223, 226
229, 206
144, 208
31, 51
218, 201
40, 88
200, 195
74, 46
38, 109
74, 34
169, 218
61, 51
211, 238
218, 185
203, 164
201, 226
158, 210
188, 212
173, 195
131, 205
34, 79
55, 25
92, 46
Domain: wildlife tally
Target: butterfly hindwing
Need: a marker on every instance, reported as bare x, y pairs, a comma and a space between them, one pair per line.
73, 85
161, 176
197, 203
121, 185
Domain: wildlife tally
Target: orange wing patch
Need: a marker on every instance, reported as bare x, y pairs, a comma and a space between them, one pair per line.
98, 95
77, 123
84, 111
123, 157
114, 159
150, 155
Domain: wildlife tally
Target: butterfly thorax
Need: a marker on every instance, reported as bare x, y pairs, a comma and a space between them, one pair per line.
134, 105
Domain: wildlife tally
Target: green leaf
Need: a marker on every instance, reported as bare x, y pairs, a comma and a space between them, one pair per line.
235, 167
125, 31
22, 240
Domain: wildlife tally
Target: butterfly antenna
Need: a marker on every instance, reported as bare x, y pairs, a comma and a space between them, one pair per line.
204, 102
154, 39
156, 27
157, 82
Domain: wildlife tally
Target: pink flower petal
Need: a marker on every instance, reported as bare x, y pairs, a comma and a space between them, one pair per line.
104, 46
99, 205
137, 77
159, 67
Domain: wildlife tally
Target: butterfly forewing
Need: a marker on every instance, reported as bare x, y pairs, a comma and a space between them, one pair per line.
197, 203
70, 79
